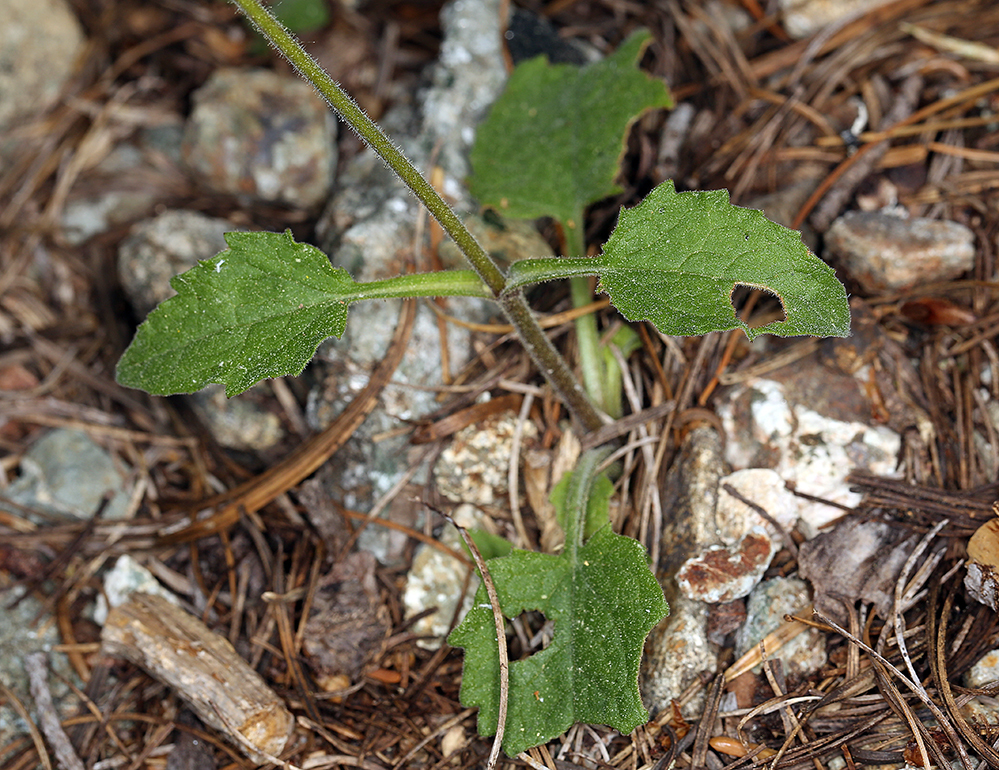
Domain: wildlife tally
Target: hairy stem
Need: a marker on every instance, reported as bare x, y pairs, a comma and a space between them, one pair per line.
374, 137
542, 352
578, 497
443, 283
551, 363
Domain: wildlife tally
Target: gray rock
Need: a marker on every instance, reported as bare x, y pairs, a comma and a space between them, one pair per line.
160, 248
24, 629
369, 229
888, 253
467, 79
39, 43
258, 134
121, 581
237, 423
690, 498
66, 473
677, 653
765, 610
803, 18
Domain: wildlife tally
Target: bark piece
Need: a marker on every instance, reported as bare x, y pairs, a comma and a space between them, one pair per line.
856, 560
203, 668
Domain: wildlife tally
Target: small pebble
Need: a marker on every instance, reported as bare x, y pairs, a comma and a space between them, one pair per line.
890, 253
722, 574
803, 18
765, 611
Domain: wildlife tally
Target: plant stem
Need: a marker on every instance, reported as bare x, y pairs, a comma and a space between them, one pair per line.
550, 362
443, 283
539, 347
577, 499
587, 334
339, 100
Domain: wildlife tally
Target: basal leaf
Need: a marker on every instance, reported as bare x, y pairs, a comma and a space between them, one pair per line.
552, 142
603, 602
257, 310
596, 507
675, 259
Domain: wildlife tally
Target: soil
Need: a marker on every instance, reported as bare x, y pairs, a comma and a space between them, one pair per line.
770, 112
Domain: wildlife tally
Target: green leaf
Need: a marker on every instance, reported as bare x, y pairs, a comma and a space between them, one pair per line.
258, 309
490, 546
675, 259
596, 506
553, 140
603, 600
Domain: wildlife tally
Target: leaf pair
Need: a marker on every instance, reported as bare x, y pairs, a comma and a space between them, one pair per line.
261, 308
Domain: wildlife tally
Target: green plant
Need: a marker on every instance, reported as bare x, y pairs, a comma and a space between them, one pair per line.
261, 308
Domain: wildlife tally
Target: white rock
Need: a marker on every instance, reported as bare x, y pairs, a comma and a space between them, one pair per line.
121, 581
813, 451
435, 580
767, 489
803, 18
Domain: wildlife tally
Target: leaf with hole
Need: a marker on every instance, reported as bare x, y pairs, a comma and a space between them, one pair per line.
675, 259
603, 600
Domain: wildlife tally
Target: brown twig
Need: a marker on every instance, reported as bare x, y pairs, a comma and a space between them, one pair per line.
504, 660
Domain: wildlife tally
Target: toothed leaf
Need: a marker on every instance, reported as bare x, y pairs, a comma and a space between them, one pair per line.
553, 140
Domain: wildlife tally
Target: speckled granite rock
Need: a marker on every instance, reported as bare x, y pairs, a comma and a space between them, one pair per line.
39, 43
369, 229
262, 135
473, 467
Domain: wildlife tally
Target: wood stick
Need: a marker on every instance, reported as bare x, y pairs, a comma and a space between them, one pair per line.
204, 669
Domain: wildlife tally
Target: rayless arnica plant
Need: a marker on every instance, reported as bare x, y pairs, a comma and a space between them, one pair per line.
551, 146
